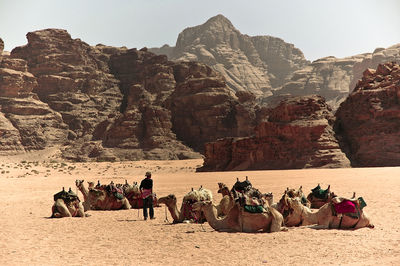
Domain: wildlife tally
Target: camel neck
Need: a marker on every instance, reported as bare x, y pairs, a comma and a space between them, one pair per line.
85, 191
307, 215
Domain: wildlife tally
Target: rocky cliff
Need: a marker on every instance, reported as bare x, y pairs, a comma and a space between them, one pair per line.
298, 133
108, 103
334, 78
368, 120
256, 64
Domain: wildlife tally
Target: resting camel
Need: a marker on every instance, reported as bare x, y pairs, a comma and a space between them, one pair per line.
237, 220
66, 206
324, 217
227, 200
186, 212
319, 197
281, 205
100, 199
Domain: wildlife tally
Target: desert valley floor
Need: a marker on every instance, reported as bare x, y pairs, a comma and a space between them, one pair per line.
29, 237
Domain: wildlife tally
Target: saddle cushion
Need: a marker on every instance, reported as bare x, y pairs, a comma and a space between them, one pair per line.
346, 206
254, 209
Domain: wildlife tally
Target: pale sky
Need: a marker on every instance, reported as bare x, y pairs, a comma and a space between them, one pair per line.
318, 27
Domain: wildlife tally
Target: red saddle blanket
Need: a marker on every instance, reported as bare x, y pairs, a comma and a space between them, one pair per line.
345, 206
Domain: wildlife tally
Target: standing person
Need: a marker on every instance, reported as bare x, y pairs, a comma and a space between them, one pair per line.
146, 188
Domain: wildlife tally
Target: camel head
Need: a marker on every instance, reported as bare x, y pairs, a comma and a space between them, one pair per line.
90, 184
79, 183
294, 214
268, 197
223, 189
168, 200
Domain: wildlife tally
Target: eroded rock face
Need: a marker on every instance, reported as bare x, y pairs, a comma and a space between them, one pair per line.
297, 134
168, 104
73, 78
254, 64
334, 78
26, 123
368, 120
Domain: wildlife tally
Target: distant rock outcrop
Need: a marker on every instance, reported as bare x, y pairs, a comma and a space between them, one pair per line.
334, 78
256, 64
368, 120
297, 134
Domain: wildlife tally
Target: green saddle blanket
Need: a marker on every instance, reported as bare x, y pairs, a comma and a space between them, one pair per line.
254, 209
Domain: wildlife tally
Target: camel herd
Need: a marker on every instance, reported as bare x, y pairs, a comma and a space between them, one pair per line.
242, 208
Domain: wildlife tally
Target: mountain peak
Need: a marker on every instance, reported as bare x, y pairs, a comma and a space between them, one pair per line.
219, 19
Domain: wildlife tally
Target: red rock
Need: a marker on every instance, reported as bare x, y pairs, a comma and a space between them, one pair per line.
297, 134
368, 121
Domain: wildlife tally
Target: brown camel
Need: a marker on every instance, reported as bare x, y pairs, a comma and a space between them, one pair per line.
238, 220
319, 197
67, 204
324, 217
100, 199
186, 213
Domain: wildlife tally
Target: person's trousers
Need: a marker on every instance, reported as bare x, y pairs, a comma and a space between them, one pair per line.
148, 203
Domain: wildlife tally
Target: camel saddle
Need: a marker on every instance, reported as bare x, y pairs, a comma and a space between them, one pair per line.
320, 193
66, 196
242, 186
350, 207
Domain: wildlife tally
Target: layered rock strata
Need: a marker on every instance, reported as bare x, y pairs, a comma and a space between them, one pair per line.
297, 134
368, 120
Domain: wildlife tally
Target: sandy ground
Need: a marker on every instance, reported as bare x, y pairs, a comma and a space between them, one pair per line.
29, 237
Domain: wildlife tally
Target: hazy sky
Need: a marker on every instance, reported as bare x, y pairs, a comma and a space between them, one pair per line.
318, 27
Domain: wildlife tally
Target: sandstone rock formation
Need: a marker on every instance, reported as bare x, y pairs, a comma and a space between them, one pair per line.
297, 134
166, 102
334, 78
254, 64
108, 103
73, 78
26, 123
368, 120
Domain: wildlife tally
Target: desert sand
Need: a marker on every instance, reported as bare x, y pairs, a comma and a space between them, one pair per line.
29, 237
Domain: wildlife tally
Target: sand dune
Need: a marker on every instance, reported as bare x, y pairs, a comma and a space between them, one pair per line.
29, 237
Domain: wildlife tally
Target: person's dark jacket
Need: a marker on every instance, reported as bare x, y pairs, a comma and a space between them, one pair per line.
146, 183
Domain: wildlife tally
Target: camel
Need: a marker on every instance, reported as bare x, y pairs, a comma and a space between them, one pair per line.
186, 213
226, 202
99, 198
319, 197
281, 205
67, 204
237, 220
324, 217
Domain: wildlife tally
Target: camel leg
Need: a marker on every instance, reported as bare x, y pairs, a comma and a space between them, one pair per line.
276, 221
81, 211
62, 208
126, 205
